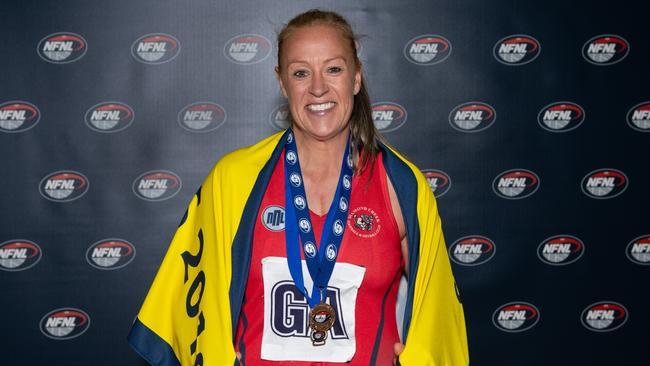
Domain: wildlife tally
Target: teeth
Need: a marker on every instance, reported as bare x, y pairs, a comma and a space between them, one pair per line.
320, 107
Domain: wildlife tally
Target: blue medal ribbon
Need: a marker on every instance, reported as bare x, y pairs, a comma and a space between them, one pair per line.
299, 232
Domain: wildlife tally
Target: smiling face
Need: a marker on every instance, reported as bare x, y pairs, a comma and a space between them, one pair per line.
320, 77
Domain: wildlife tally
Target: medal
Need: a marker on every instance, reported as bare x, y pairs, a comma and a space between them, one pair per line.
299, 237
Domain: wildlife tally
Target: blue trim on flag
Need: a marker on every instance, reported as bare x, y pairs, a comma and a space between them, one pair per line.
406, 187
150, 346
242, 244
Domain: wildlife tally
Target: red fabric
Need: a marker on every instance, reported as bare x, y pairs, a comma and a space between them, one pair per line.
377, 249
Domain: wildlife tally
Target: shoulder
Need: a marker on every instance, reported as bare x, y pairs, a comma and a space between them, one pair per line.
400, 169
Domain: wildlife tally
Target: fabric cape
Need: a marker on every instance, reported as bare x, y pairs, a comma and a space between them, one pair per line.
190, 314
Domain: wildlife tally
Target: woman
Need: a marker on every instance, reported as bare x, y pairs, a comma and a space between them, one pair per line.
293, 248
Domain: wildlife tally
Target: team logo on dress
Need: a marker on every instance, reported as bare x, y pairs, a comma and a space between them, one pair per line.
157, 185
388, 116
472, 116
515, 184
561, 116
202, 117
19, 254
64, 323
515, 316
299, 202
247, 49
439, 181
427, 49
364, 222
155, 48
63, 186
110, 254
638, 117
280, 117
604, 183
606, 49
62, 47
18, 116
604, 316
559, 250
472, 250
109, 117
517, 49
273, 218
638, 250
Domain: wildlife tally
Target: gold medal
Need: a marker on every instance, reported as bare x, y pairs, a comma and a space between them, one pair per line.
321, 319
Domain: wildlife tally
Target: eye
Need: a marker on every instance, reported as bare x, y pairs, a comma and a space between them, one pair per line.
334, 69
300, 74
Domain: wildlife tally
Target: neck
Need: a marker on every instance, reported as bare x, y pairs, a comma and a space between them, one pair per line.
322, 157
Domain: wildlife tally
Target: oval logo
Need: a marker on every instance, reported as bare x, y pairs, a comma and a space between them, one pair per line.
560, 250
273, 218
64, 323
439, 181
472, 250
604, 183
516, 50
62, 47
63, 186
638, 117
605, 49
157, 185
155, 48
604, 316
19, 254
638, 250
388, 116
110, 254
247, 49
515, 317
427, 49
515, 184
280, 117
561, 116
18, 116
107, 117
202, 117
472, 117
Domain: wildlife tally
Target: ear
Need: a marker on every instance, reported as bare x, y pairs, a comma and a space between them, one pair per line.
357, 80
279, 77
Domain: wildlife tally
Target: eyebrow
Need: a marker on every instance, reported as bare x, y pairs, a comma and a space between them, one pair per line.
326, 61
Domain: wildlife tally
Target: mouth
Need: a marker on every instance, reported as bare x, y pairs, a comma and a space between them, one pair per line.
321, 107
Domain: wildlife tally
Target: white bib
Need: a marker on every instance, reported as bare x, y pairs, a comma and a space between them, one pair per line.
286, 334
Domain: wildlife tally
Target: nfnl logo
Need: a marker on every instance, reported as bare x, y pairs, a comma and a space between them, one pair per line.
63, 186
64, 323
604, 183
472, 250
109, 117
561, 116
472, 116
515, 184
155, 48
18, 116
62, 48
439, 181
19, 254
157, 185
202, 117
515, 50
604, 316
280, 117
427, 49
515, 317
606, 49
638, 250
110, 254
638, 117
559, 250
247, 49
273, 218
388, 116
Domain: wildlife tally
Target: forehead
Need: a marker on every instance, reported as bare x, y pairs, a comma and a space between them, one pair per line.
315, 41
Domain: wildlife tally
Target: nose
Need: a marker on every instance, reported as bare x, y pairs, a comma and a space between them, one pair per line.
318, 85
